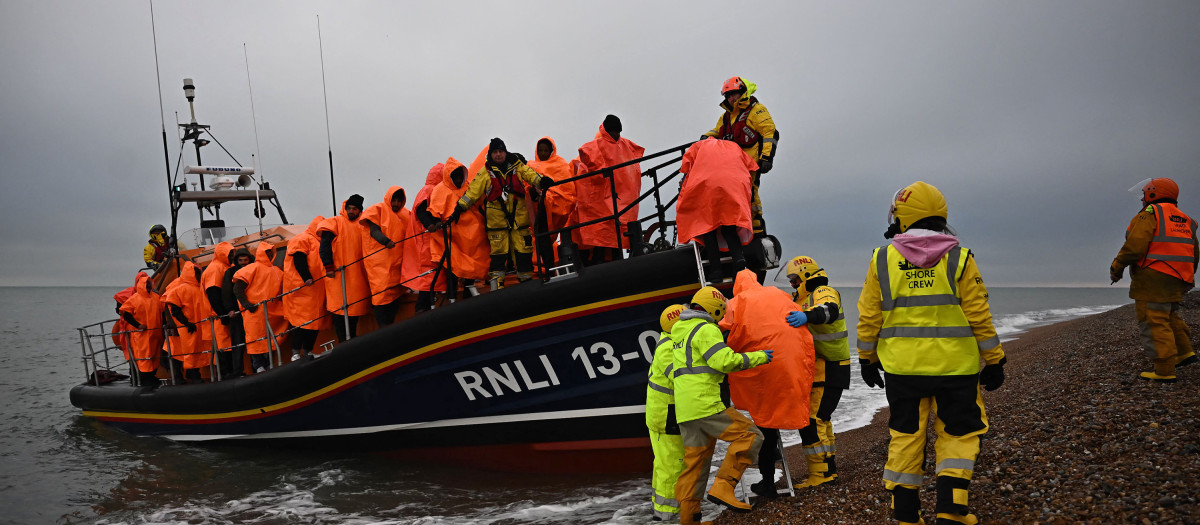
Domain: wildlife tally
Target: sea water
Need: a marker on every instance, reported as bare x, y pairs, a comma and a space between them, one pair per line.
59, 467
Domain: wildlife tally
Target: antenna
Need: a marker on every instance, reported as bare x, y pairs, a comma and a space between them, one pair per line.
163, 120
253, 119
328, 139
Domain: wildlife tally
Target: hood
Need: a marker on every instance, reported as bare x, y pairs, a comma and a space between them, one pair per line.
751, 88
689, 313
124, 295
222, 252
602, 134
449, 167
187, 275
238, 252
435, 174
553, 147
577, 167
745, 281
139, 286
265, 254
391, 192
343, 213
312, 226
923, 248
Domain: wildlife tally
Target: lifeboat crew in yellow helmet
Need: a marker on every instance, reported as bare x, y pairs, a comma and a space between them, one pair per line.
924, 321
661, 422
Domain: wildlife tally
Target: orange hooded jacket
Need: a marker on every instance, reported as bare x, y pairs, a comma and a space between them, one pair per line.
594, 195
417, 259
560, 199
263, 281
716, 190
191, 348
120, 327
777, 396
383, 267
146, 308
347, 248
213, 274
307, 303
470, 252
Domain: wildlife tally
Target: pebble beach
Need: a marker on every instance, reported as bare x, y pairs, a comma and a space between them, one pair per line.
1075, 437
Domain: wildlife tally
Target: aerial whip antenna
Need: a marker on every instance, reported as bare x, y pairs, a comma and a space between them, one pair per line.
163, 120
253, 118
328, 139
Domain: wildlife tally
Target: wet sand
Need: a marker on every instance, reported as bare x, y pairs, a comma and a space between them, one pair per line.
1075, 438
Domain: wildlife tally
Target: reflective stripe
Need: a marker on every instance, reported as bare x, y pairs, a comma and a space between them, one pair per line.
867, 345
830, 337
713, 350
689, 343
952, 270
841, 315
927, 300
959, 463
659, 500
926, 331
667, 372
905, 479
745, 361
820, 450
663, 339
885, 283
772, 140
1179, 258
696, 370
1162, 307
663, 515
989, 343
1165, 238
659, 388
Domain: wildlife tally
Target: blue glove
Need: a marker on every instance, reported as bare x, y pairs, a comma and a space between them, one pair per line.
770, 355
797, 319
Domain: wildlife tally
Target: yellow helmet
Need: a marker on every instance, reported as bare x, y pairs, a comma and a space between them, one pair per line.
915, 202
669, 316
801, 269
712, 301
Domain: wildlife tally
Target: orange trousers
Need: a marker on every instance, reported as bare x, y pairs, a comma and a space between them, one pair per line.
699, 440
1165, 337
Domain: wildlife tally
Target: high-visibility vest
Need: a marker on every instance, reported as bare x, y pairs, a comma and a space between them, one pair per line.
1173, 247
660, 393
924, 331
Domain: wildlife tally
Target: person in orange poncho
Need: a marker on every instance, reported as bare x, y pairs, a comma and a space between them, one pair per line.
418, 267
469, 254
559, 200
594, 194
384, 227
776, 396
188, 308
257, 282
715, 198
341, 249
210, 282
121, 328
143, 312
305, 307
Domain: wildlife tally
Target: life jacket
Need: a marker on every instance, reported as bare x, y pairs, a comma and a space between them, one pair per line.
738, 131
1173, 246
504, 183
160, 251
925, 331
830, 339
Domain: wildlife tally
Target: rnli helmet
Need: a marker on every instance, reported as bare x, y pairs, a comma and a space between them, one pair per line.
732, 85
669, 316
800, 269
1154, 189
158, 228
914, 202
710, 300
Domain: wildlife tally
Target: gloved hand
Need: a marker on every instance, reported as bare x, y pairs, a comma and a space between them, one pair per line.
870, 373
191, 328
251, 308
454, 215
1115, 272
770, 355
545, 183
224, 320
519, 156
764, 166
797, 319
992, 376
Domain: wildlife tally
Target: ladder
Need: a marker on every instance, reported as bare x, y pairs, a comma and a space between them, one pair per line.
788, 490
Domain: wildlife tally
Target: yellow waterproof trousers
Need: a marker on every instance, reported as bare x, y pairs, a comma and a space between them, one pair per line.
699, 440
1165, 337
668, 463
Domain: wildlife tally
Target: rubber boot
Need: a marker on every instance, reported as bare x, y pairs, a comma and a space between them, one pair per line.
689, 513
722, 493
495, 280
1186, 360
822, 469
765, 489
1151, 376
956, 519
906, 505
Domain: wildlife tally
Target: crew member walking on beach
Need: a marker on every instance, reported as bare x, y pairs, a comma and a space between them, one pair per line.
661, 421
924, 320
701, 360
822, 311
1161, 251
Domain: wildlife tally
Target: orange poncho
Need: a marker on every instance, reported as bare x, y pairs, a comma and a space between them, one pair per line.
716, 190
263, 281
560, 199
594, 195
347, 248
383, 267
416, 250
191, 348
146, 308
470, 253
307, 303
776, 395
119, 337
213, 275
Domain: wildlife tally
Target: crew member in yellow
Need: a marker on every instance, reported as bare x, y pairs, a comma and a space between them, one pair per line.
501, 185
155, 251
1161, 251
821, 308
660, 420
924, 321
748, 123
701, 360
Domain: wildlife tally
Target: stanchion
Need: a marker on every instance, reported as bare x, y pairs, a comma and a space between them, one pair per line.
170, 355
214, 367
345, 306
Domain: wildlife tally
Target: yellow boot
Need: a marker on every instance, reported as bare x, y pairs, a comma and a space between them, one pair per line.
722, 494
1151, 376
822, 469
956, 519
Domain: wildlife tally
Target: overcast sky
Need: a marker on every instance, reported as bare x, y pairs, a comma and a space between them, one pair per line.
1032, 117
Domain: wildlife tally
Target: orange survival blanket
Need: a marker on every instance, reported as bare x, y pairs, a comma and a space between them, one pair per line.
307, 303
716, 190
776, 395
382, 264
263, 281
190, 347
347, 248
594, 194
417, 259
470, 253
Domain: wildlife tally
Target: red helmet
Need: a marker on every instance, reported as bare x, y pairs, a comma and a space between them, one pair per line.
733, 84
1160, 188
